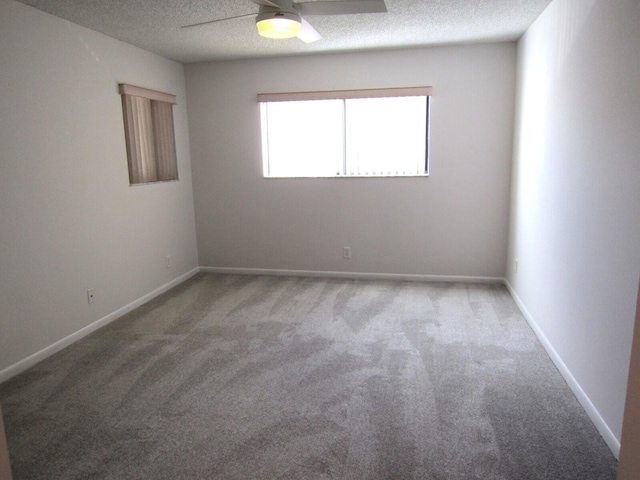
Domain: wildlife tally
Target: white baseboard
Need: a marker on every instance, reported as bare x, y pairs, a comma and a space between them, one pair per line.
31, 360
612, 442
354, 275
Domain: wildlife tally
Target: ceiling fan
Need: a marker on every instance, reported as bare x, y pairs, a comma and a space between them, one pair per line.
284, 18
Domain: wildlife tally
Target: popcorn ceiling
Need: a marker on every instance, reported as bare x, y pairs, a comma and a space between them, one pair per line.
156, 26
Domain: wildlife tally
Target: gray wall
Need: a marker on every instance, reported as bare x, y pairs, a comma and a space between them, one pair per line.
69, 220
452, 223
575, 218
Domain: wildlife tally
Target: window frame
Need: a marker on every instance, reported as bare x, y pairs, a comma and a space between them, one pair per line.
344, 95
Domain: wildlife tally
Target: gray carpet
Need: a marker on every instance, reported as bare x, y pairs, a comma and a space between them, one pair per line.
257, 377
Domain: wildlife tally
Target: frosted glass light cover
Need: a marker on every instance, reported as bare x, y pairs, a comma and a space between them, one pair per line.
278, 25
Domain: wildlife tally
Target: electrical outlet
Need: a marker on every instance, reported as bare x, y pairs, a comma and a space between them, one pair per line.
346, 252
91, 298
167, 261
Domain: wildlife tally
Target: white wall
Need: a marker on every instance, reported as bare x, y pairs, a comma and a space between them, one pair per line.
69, 220
452, 223
575, 218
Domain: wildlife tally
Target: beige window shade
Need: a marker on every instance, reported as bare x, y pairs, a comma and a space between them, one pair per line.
149, 134
165, 145
346, 94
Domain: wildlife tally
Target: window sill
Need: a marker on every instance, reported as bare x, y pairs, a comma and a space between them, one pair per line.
348, 176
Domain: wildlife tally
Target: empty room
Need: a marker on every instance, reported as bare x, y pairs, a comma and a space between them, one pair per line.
397, 239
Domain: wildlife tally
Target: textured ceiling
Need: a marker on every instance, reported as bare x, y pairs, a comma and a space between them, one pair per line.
156, 25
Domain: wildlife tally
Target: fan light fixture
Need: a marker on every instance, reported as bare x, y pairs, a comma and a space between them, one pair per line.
278, 24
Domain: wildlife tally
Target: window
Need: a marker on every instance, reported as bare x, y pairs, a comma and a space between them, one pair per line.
351, 133
149, 134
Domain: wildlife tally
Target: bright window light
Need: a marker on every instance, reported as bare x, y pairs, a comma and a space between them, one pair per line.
303, 139
386, 136
359, 137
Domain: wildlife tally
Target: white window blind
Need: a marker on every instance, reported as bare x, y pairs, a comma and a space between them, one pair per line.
149, 134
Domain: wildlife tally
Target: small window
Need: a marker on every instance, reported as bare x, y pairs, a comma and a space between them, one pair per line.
149, 135
353, 133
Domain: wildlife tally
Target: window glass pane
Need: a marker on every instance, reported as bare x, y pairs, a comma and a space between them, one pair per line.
386, 136
381, 136
303, 139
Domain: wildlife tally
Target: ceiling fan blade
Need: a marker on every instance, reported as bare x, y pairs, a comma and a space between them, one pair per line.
346, 7
307, 33
218, 20
266, 3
